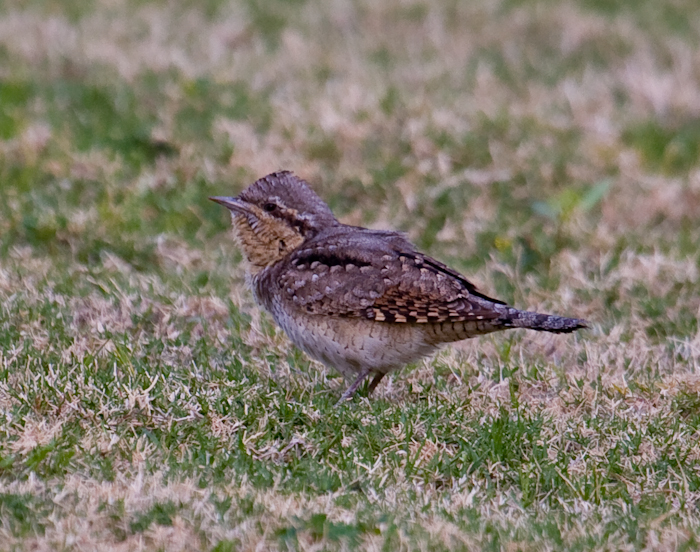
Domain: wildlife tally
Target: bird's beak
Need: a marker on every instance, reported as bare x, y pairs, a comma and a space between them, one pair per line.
231, 203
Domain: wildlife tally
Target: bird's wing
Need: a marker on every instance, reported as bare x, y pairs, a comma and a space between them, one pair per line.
382, 280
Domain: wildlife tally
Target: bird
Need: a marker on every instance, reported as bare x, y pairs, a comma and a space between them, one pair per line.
363, 302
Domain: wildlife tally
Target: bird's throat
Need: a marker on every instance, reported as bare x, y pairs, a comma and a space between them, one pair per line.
264, 241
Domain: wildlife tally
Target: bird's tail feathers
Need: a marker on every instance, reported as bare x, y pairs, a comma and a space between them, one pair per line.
543, 322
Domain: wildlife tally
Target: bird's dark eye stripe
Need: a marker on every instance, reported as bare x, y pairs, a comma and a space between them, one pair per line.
269, 207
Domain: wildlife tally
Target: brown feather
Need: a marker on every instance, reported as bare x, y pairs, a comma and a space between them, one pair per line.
394, 286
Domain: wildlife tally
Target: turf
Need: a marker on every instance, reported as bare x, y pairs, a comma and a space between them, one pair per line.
548, 150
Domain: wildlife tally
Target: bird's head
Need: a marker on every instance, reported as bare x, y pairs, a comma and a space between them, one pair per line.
274, 216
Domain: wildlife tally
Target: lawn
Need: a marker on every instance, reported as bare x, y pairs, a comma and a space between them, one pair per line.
548, 150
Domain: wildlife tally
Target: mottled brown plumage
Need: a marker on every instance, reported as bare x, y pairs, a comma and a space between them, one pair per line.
359, 300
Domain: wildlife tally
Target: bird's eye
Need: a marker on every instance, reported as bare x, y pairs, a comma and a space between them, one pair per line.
269, 207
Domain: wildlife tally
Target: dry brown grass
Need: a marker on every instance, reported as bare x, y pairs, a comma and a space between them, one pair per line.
146, 403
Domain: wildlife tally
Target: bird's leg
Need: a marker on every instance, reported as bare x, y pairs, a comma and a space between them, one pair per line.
350, 391
372, 386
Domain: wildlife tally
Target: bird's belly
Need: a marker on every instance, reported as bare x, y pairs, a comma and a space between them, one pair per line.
352, 344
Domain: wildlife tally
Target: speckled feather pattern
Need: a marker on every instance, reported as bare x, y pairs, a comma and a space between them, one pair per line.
355, 298
352, 272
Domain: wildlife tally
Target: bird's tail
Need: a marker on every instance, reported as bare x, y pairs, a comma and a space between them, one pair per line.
542, 322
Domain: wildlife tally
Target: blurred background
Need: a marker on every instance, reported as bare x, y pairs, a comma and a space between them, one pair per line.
514, 131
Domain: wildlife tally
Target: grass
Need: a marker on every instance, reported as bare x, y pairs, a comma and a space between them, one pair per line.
548, 150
